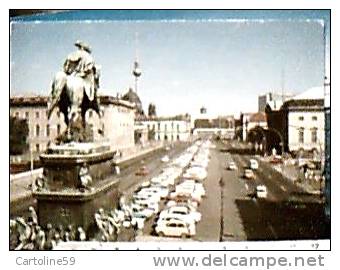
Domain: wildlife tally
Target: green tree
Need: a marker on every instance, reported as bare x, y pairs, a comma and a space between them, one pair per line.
18, 134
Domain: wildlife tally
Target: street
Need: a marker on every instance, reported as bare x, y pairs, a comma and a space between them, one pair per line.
287, 213
228, 212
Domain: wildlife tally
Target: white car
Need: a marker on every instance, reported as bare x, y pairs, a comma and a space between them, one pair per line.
195, 173
154, 207
183, 212
261, 191
154, 191
137, 208
179, 202
143, 200
175, 227
165, 159
253, 164
146, 196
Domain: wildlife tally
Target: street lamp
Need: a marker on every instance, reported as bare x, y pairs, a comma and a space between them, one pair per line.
221, 183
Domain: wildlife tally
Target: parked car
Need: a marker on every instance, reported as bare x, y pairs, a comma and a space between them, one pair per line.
165, 159
248, 174
185, 212
175, 227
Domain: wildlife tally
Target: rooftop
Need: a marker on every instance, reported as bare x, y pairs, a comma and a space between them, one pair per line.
22, 101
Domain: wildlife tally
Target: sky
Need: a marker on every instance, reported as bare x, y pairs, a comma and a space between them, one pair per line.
222, 65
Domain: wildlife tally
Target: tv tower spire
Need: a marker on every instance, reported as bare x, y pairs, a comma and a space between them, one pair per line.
136, 72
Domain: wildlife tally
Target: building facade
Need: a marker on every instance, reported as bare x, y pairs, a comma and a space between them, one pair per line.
222, 126
301, 122
305, 125
175, 128
117, 124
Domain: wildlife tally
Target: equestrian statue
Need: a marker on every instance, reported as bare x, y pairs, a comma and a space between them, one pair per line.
74, 91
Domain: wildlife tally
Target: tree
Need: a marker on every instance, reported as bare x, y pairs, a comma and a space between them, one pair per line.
152, 110
18, 134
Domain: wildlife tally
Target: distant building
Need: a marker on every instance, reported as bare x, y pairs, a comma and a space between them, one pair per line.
176, 128
222, 126
117, 123
273, 99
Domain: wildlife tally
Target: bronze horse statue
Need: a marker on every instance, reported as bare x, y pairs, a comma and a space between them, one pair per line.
69, 94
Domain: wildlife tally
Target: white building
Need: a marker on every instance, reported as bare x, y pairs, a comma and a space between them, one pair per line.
306, 121
175, 128
117, 122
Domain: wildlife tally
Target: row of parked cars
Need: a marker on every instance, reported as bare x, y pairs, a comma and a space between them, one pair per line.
178, 190
180, 215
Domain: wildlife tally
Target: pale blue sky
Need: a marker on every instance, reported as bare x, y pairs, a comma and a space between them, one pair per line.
221, 65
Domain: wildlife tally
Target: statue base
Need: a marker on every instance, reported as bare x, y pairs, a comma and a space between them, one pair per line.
77, 180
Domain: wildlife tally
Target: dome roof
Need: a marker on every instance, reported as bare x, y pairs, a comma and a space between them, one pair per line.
132, 97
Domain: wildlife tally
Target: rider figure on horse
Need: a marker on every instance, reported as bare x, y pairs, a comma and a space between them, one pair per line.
74, 89
81, 64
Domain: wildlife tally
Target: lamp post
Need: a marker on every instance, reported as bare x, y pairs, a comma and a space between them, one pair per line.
221, 183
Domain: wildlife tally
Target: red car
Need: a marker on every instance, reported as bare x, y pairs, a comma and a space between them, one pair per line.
143, 171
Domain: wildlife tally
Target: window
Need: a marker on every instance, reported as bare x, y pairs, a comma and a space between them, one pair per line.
165, 127
314, 135
159, 125
47, 130
37, 147
37, 114
177, 137
58, 129
301, 135
314, 118
172, 125
37, 130
301, 118
27, 114
17, 114
159, 137
177, 127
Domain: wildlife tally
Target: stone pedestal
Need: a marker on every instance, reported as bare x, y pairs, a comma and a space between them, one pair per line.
62, 197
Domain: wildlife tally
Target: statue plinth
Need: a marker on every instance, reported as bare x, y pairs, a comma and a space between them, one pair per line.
77, 180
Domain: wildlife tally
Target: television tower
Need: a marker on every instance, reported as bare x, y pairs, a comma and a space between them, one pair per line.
136, 72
